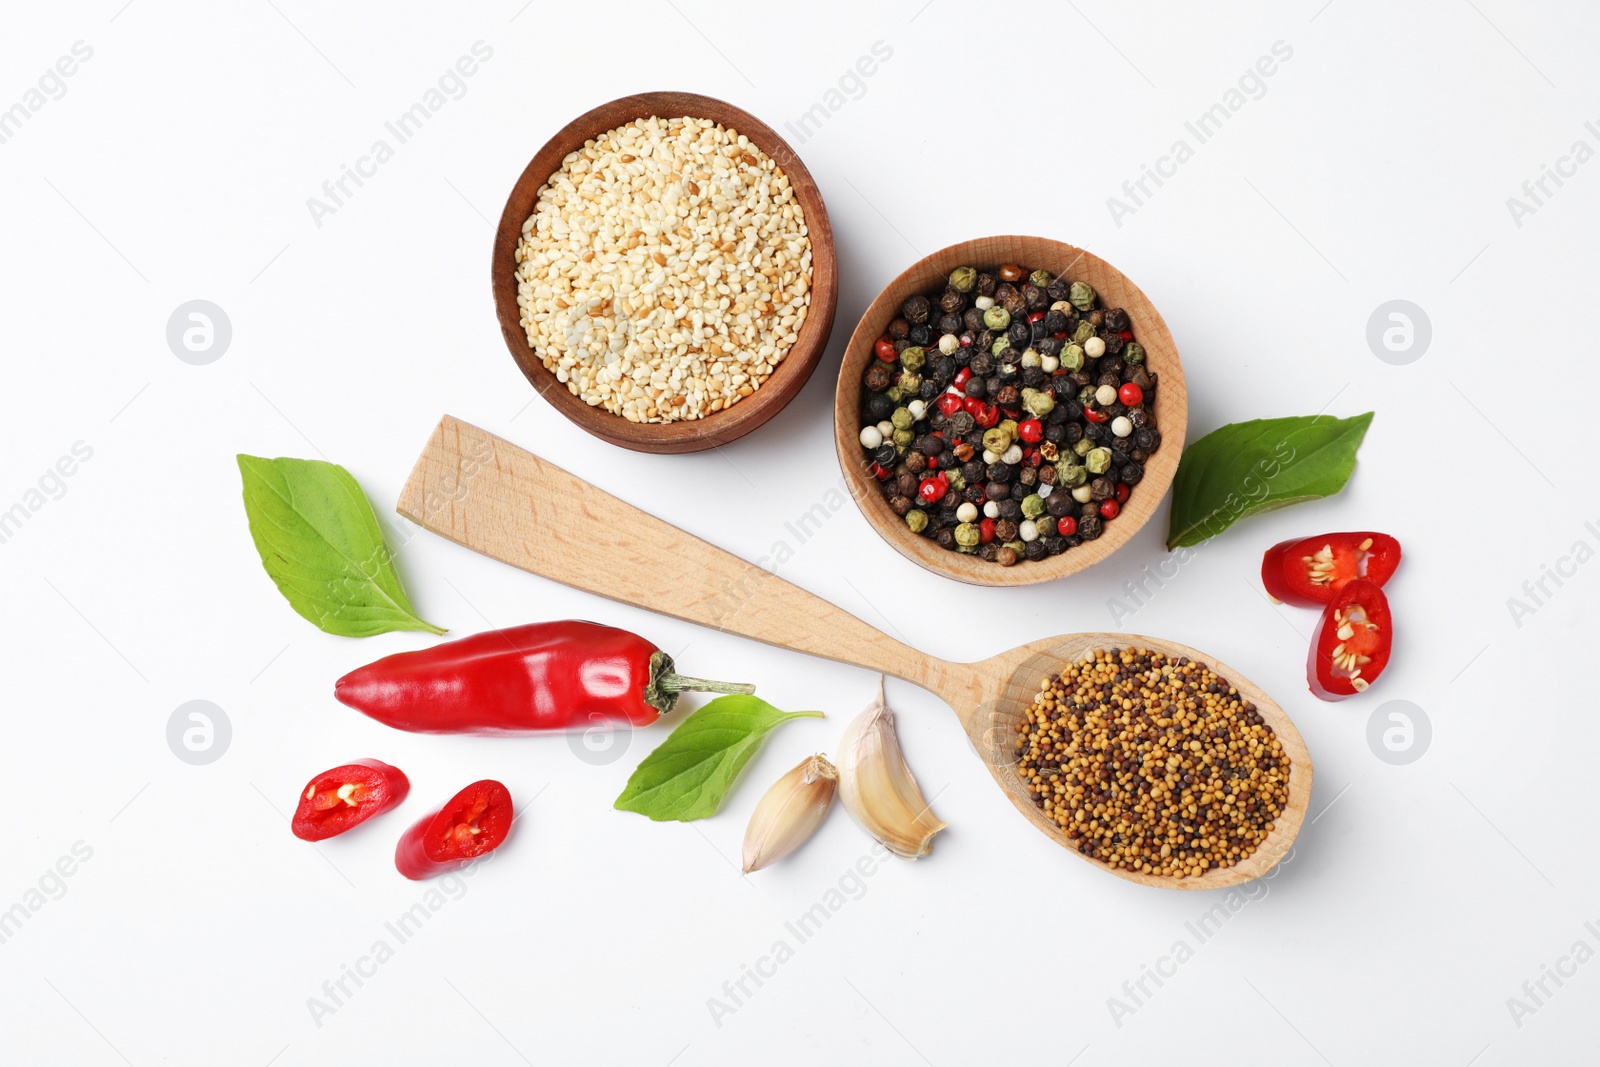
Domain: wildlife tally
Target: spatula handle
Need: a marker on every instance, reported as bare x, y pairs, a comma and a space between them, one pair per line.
483, 492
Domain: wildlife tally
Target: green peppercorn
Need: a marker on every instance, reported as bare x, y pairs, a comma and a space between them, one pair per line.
893, 393
1000, 345
997, 439
957, 482
908, 383
1133, 352
968, 534
1017, 547
1072, 357
997, 318
1082, 448
1086, 394
1009, 426
913, 358
1081, 294
1032, 506
1041, 278
1084, 331
1070, 474
917, 519
1098, 460
901, 419
1030, 358
962, 279
903, 438
1040, 403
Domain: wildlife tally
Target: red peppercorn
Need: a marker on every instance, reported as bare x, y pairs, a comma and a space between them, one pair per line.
986, 531
1037, 316
949, 403
1126, 335
1062, 336
878, 472
1122, 492
932, 463
987, 415
1095, 416
1130, 394
884, 349
1031, 431
1032, 458
933, 489
1109, 509
963, 376
973, 405
1066, 526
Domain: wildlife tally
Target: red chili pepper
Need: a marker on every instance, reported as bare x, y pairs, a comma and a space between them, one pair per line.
347, 796
883, 348
1031, 431
1309, 571
1094, 415
543, 676
1123, 492
1353, 640
1130, 394
987, 415
473, 822
949, 403
933, 489
986, 531
1066, 526
1110, 509
963, 376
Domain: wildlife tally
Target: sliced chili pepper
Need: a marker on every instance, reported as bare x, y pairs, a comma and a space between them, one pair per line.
1353, 640
473, 822
1308, 571
543, 676
347, 796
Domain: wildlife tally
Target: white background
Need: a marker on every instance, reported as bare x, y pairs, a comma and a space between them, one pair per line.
1376, 165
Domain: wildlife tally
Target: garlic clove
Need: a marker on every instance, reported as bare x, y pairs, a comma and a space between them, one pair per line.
878, 788
789, 813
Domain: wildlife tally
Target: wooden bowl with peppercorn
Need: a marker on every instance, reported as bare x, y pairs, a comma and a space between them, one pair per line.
664, 272
1010, 410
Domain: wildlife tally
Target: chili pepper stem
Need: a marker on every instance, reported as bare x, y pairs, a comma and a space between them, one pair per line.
682, 683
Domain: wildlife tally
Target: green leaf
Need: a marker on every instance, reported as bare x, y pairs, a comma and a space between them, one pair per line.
321, 545
689, 773
1249, 467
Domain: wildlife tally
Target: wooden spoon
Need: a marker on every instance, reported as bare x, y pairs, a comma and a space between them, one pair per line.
493, 497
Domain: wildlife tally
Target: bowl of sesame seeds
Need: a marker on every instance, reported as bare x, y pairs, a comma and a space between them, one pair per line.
664, 272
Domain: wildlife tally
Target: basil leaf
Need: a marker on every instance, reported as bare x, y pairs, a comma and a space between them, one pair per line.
690, 772
321, 545
1249, 467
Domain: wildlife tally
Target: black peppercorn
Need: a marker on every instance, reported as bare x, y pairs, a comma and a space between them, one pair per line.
1086, 510
1130, 473
1055, 430
1149, 440
999, 473
987, 552
1035, 298
946, 537
1059, 503
952, 300
1006, 556
1028, 476
1116, 319
928, 445
1048, 475
973, 319
982, 364
916, 309
898, 329
1012, 302
984, 341
1112, 365
879, 377
1054, 322
920, 334
1048, 346
1010, 509
1020, 333
879, 407
976, 387
906, 483
1020, 492
1005, 530
916, 462
1140, 377
1096, 431
1035, 549
884, 455
1140, 418
950, 323
1008, 396
1058, 288
1054, 545
1097, 318
961, 424
1090, 527
1074, 433
987, 280
929, 389
1114, 343
1102, 488
899, 504
997, 491
972, 471
1139, 455
1034, 378
974, 494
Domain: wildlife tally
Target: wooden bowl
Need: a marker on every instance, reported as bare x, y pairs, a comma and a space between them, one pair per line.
1115, 290
787, 378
